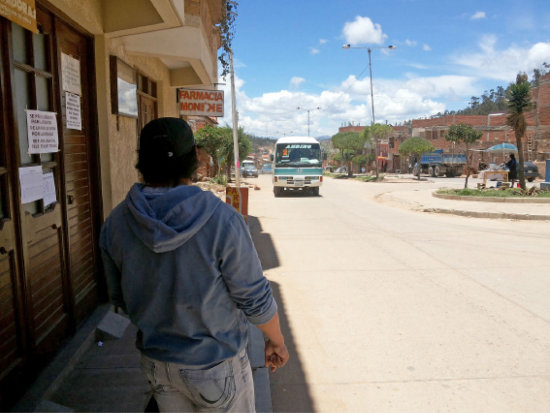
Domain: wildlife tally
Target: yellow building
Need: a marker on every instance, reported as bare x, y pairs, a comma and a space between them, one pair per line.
78, 79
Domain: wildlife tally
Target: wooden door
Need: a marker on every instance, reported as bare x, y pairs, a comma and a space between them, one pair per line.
48, 254
45, 283
12, 326
80, 177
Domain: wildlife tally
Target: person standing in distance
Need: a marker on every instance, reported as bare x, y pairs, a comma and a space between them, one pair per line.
513, 169
182, 265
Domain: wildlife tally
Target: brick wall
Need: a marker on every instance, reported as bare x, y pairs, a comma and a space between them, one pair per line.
350, 128
536, 142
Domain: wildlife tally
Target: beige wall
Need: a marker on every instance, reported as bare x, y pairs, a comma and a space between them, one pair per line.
118, 137
87, 14
123, 134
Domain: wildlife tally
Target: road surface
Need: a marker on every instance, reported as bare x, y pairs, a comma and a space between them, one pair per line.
390, 310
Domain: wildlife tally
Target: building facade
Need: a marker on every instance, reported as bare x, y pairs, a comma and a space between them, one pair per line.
536, 141
78, 80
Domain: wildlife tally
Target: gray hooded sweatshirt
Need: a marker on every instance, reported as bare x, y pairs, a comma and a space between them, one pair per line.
182, 264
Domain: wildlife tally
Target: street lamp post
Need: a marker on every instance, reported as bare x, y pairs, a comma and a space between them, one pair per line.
308, 110
369, 49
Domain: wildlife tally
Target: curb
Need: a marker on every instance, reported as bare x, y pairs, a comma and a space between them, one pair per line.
493, 199
392, 200
497, 215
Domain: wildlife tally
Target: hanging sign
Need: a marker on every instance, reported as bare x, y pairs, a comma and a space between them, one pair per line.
42, 132
201, 102
70, 73
72, 111
21, 12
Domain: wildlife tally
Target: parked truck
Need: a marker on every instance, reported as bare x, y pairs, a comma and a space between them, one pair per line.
437, 163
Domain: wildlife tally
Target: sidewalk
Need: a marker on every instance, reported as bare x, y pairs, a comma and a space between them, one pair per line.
92, 375
106, 377
423, 200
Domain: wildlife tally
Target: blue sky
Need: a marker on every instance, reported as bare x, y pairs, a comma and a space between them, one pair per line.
288, 54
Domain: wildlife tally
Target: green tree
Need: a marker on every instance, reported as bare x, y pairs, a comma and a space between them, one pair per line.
218, 142
226, 150
415, 146
362, 160
227, 33
465, 135
519, 101
211, 140
376, 133
349, 144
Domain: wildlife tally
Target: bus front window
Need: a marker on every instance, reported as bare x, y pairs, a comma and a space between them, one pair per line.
298, 154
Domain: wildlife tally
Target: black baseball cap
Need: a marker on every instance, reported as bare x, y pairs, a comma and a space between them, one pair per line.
165, 139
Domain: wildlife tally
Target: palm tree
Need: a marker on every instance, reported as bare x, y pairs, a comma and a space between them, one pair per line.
519, 101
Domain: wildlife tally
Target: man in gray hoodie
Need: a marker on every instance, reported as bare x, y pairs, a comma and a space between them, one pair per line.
182, 265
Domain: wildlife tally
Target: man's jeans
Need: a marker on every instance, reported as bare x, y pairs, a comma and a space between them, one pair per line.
226, 387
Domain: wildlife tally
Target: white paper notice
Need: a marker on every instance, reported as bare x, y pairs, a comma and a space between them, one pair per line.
49, 189
70, 72
42, 131
32, 184
72, 105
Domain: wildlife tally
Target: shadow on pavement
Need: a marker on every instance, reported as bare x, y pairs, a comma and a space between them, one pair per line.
289, 389
264, 244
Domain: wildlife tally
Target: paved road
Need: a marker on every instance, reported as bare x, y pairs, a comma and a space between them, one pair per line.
390, 310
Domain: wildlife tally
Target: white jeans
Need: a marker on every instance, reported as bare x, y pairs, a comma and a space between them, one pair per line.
226, 387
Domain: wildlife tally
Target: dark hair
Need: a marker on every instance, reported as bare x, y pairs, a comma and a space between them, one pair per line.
168, 172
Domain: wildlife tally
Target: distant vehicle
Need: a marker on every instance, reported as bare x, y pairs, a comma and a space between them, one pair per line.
530, 170
267, 168
297, 165
342, 170
247, 162
250, 170
437, 163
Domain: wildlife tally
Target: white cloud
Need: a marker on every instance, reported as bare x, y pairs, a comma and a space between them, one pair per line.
418, 66
323, 41
398, 100
363, 30
503, 64
275, 113
410, 43
296, 81
426, 47
478, 15
314, 50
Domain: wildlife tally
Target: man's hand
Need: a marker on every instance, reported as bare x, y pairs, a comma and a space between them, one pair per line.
276, 356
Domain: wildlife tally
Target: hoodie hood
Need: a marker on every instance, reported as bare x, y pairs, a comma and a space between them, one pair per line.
165, 218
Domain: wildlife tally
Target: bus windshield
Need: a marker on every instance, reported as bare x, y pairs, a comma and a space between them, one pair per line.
298, 154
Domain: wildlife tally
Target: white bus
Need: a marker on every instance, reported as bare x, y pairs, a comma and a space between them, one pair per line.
297, 165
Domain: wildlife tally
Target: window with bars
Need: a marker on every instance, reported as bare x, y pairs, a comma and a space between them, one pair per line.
33, 85
147, 100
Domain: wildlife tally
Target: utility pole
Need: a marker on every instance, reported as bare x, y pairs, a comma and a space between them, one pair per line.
235, 116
